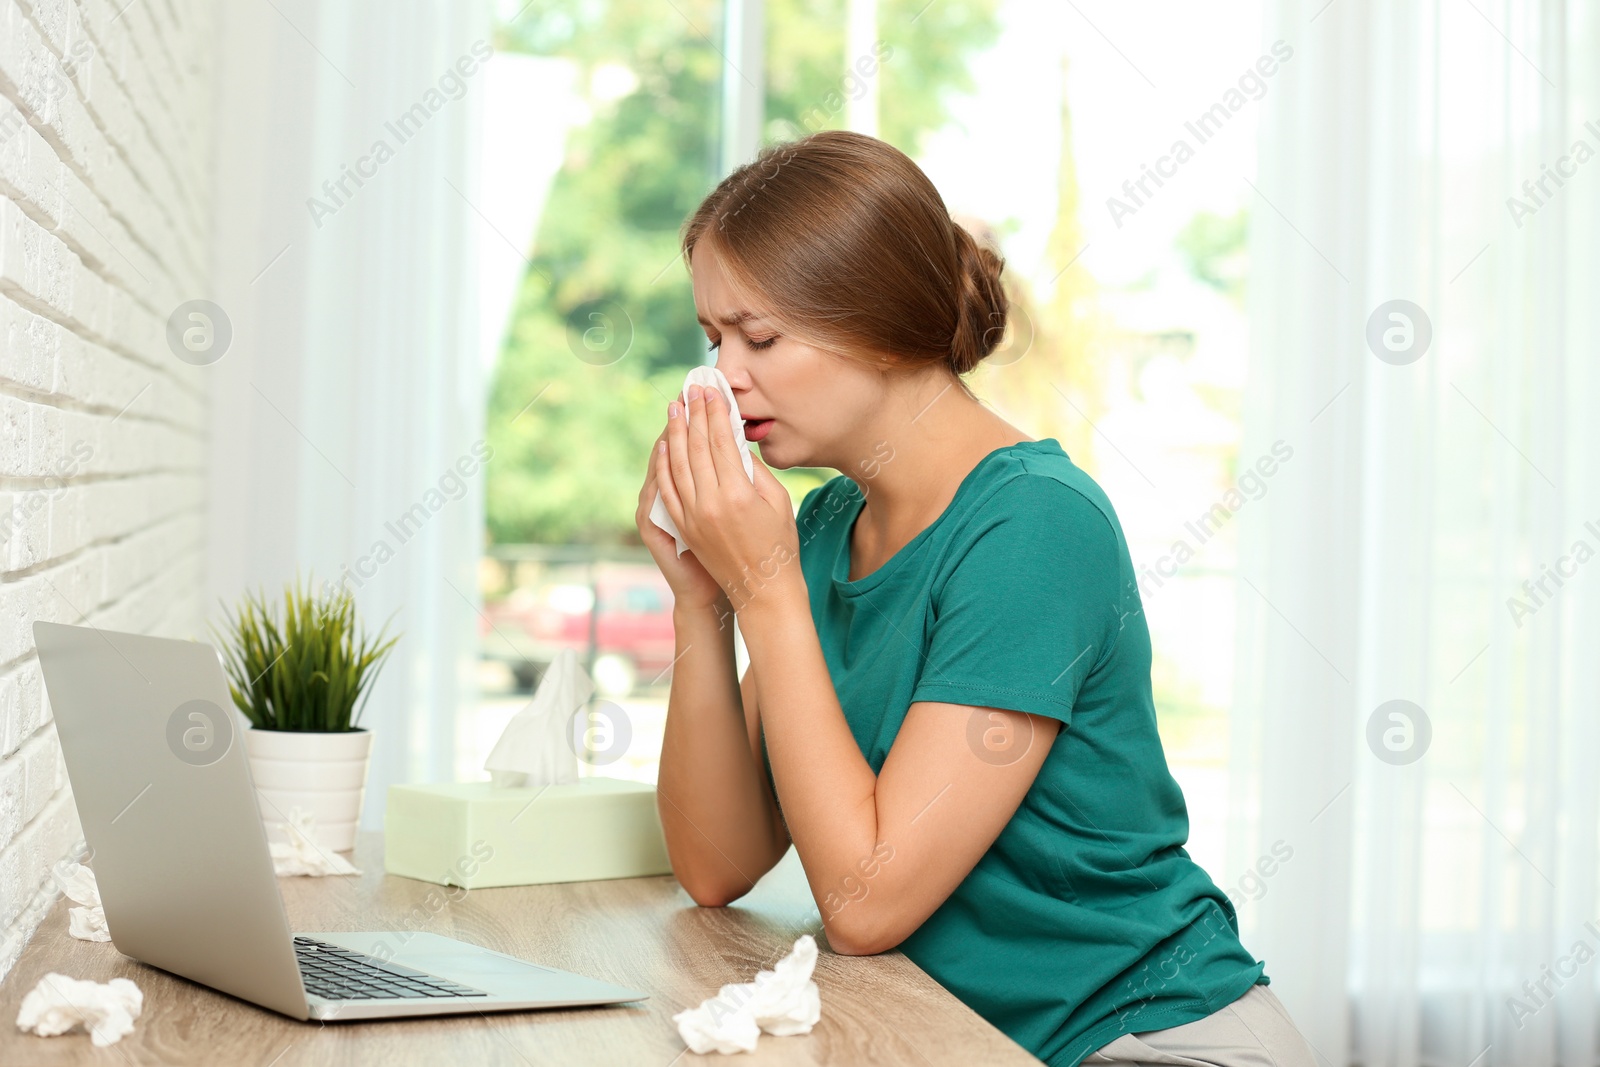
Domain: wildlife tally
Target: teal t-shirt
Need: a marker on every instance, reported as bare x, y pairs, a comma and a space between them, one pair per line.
1086, 919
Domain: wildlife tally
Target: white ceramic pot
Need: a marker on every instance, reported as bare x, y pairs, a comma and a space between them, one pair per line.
325, 774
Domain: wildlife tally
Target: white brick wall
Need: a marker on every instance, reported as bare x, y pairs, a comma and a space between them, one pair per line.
105, 143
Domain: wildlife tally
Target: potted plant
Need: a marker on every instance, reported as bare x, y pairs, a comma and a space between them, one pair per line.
302, 679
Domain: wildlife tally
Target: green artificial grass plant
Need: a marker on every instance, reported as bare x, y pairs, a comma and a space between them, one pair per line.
310, 671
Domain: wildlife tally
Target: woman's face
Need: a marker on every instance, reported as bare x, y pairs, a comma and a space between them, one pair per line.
821, 405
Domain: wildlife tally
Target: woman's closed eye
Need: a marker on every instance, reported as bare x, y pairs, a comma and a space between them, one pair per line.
757, 345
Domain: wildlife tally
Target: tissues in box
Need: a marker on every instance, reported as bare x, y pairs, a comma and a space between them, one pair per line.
477, 834
535, 821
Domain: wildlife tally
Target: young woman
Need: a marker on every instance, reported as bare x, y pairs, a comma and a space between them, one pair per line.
947, 709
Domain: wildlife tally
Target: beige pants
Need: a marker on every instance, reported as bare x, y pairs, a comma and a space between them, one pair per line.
1253, 1031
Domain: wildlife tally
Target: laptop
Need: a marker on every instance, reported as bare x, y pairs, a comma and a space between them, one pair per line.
181, 856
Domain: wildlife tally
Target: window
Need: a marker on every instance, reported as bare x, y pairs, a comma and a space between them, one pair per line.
1126, 344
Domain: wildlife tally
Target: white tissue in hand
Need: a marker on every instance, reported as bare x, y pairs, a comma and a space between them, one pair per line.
536, 747
783, 1001
300, 854
59, 1003
705, 376
87, 923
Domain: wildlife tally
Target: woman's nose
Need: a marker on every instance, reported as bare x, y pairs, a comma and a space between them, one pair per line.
733, 370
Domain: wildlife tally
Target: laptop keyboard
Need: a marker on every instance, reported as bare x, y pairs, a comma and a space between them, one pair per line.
336, 973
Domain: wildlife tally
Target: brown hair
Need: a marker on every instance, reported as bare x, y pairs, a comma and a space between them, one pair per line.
851, 248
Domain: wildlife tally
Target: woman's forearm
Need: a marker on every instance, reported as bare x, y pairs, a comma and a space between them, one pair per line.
716, 813
829, 790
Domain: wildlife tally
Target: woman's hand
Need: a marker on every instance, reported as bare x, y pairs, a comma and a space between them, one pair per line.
742, 533
691, 586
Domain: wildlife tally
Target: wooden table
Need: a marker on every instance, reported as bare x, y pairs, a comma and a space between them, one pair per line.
639, 932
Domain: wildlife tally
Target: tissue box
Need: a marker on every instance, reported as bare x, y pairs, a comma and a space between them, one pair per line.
473, 835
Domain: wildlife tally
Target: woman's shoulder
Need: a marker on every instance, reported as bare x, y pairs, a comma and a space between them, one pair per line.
1037, 482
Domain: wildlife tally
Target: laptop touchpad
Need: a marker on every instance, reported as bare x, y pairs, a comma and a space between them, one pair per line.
475, 963
462, 962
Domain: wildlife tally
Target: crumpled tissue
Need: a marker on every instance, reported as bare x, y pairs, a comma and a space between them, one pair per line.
87, 923
704, 375
300, 854
59, 1003
783, 1001
536, 748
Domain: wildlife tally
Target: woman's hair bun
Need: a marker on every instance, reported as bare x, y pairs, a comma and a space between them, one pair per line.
847, 245
981, 305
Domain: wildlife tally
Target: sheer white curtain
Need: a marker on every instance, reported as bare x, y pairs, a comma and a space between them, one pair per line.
349, 403
1439, 905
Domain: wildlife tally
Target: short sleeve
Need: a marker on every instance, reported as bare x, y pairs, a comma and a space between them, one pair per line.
1030, 605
